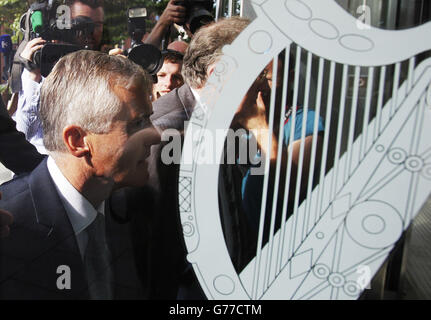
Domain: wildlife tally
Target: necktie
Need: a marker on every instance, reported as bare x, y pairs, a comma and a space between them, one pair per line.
97, 261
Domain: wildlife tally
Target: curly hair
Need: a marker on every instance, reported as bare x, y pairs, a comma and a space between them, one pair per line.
206, 48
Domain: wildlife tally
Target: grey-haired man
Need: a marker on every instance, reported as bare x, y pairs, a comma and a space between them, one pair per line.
65, 242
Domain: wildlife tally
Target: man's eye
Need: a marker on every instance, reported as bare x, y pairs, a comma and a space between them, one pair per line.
178, 78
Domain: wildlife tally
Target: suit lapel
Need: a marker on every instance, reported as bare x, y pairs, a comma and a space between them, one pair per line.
60, 245
188, 101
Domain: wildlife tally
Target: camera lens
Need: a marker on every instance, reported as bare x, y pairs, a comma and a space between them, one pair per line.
148, 57
199, 18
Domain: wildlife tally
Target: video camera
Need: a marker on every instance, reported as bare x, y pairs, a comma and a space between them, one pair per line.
52, 22
198, 13
147, 56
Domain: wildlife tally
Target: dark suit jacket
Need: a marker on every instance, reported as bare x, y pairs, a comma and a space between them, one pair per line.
172, 109
42, 239
171, 275
169, 112
16, 153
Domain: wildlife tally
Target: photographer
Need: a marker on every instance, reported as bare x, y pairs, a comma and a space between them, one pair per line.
16, 153
173, 13
191, 14
169, 76
173, 276
27, 114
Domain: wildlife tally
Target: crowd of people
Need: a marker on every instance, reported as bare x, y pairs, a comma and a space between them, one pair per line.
91, 195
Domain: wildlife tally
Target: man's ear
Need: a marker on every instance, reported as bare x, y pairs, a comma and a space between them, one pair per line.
75, 140
210, 70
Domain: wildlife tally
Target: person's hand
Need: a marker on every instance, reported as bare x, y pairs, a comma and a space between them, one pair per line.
6, 220
31, 47
117, 52
173, 13
251, 113
28, 53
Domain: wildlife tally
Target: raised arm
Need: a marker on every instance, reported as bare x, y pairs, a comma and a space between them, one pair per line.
173, 13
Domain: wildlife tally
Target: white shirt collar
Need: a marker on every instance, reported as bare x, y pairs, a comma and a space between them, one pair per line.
196, 95
79, 210
199, 102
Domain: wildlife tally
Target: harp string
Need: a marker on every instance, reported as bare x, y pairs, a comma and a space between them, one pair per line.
313, 158
257, 268
277, 174
302, 147
279, 155
396, 82
365, 124
330, 101
334, 188
348, 167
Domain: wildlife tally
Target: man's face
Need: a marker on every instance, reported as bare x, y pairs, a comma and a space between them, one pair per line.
120, 156
97, 15
267, 80
168, 78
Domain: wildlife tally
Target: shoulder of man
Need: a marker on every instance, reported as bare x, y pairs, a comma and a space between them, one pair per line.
6, 123
16, 195
172, 102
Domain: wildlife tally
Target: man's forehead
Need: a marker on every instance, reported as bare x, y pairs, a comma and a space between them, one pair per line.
169, 65
81, 9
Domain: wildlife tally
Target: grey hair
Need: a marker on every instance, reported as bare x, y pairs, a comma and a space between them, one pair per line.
79, 91
206, 48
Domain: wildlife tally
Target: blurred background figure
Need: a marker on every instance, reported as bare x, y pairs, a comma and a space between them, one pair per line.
179, 46
169, 76
6, 50
16, 153
27, 115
